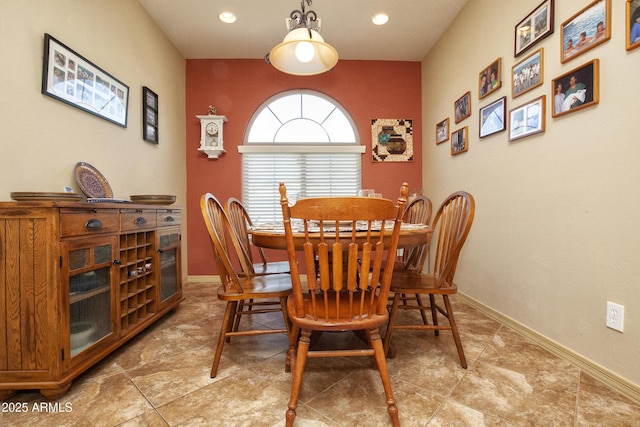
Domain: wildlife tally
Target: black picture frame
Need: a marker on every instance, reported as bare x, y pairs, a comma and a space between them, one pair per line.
71, 78
149, 115
493, 117
534, 27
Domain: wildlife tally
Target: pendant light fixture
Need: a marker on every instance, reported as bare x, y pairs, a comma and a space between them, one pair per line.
303, 52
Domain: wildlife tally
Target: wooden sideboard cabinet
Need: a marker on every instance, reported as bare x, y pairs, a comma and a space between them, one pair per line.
77, 280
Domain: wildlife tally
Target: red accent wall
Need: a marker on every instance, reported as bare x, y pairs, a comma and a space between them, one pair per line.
237, 87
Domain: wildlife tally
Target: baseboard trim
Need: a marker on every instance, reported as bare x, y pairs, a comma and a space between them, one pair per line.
202, 279
613, 380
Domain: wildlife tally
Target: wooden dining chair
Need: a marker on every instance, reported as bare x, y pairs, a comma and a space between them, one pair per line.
241, 224
350, 289
418, 211
268, 293
451, 226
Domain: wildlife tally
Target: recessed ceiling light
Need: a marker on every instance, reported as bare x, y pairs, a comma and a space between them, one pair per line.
227, 17
380, 19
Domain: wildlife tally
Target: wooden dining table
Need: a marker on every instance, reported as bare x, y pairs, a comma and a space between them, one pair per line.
272, 236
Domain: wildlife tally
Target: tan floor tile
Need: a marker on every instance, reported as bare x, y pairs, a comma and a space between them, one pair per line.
520, 382
204, 329
172, 377
250, 349
151, 418
322, 373
307, 417
415, 405
106, 402
161, 340
426, 361
247, 398
599, 405
453, 414
359, 399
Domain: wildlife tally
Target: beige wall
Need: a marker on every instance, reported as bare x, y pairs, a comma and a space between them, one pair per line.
556, 232
42, 138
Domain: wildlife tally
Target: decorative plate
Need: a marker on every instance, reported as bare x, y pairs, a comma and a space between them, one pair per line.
153, 199
31, 196
91, 181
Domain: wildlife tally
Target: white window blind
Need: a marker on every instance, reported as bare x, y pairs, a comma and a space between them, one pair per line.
304, 139
304, 174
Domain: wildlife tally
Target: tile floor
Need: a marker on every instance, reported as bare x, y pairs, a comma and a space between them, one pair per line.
161, 378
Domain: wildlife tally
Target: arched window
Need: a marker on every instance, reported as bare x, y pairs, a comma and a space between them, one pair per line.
304, 139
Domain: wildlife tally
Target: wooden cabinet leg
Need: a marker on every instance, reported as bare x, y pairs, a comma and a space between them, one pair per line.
55, 393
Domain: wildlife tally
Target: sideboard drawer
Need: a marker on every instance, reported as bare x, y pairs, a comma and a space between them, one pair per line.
87, 222
136, 219
168, 217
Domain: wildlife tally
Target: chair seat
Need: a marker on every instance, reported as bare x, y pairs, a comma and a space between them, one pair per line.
343, 323
412, 282
269, 286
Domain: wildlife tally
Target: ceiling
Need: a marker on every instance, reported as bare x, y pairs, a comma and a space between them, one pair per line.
413, 29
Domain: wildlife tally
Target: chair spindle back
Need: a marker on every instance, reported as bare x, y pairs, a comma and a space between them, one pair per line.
349, 251
219, 228
418, 211
452, 224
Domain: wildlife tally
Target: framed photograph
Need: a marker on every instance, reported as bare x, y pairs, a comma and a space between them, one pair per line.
528, 73
74, 80
149, 115
442, 131
536, 26
527, 119
462, 107
490, 79
492, 117
633, 24
585, 30
392, 140
459, 141
577, 89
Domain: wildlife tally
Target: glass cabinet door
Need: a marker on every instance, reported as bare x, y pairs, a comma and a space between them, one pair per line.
169, 250
89, 273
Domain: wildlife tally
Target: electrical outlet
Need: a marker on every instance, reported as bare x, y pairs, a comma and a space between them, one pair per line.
615, 316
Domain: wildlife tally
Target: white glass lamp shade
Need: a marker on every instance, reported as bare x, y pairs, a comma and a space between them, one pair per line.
301, 55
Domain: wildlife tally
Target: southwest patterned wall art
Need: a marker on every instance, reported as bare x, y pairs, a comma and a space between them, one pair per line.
392, 140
